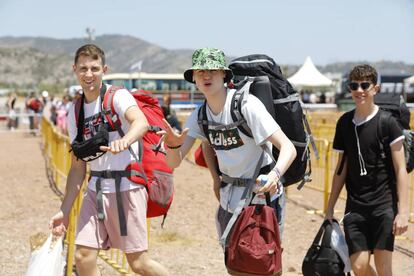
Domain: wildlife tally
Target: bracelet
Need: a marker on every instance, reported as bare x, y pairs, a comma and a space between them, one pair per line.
175, 147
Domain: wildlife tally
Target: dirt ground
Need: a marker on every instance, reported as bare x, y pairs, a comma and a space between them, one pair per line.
187, 245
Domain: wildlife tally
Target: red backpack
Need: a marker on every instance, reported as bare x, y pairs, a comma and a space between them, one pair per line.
34, 104
158, 178
254, 245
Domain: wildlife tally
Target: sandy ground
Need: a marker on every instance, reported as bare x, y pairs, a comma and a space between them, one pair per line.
187, 245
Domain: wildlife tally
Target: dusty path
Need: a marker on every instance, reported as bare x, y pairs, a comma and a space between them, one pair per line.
187, 245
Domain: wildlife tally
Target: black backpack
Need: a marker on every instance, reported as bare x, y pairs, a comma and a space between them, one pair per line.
282, 102
395, 106
321, 259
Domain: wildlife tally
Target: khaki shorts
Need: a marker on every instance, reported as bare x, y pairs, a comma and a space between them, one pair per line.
106, 234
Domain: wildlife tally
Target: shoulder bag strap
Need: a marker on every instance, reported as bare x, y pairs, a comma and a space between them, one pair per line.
244, 201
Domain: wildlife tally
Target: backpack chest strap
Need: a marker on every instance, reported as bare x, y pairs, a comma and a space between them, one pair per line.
218, 126
238, 182
291, 98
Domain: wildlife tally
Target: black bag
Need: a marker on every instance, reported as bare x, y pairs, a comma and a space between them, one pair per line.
88, 150
395, 106
321, 259
282, 102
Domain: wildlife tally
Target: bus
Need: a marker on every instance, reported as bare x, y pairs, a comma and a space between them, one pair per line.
181, 91
389, 84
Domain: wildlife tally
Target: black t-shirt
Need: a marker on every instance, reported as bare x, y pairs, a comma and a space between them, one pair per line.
377, 188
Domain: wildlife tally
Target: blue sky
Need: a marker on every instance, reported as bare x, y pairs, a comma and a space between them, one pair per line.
288, 30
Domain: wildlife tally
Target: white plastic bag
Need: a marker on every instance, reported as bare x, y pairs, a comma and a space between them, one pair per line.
338, 243
48, 260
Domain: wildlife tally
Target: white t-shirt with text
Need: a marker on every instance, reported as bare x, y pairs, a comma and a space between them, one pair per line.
237, 153
122, 100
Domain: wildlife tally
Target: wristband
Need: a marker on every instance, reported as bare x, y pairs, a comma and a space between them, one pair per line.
175, 147
276, 170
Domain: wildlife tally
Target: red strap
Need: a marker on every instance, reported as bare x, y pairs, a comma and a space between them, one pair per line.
108, 105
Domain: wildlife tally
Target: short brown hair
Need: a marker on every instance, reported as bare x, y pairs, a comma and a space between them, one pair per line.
90, 50
363, 72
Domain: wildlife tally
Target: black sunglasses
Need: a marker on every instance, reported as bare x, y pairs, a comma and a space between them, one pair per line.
355, 85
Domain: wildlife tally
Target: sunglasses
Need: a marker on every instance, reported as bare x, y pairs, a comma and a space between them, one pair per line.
364, 85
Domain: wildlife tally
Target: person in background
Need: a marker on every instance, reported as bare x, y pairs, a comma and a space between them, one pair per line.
61, 114
377, 186
34, 107
12, 119
170, 114
45, 97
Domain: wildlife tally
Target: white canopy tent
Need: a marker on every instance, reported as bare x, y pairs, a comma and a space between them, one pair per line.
308, 75
409, 80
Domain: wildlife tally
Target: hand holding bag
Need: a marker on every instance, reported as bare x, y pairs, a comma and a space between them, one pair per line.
48, 259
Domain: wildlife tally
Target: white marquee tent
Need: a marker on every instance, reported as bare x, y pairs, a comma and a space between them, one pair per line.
409, 80
309, 75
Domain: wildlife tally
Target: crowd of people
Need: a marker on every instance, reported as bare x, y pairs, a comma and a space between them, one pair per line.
376, 208
35, 107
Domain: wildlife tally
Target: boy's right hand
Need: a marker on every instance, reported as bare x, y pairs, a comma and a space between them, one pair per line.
58, 224
216, 188
329, 214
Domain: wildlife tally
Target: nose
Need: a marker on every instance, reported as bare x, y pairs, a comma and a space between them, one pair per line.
360, 90
207, 74
88, 72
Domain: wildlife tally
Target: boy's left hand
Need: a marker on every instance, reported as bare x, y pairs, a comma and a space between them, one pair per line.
271, 185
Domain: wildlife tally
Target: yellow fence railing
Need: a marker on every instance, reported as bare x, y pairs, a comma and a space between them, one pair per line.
56, 152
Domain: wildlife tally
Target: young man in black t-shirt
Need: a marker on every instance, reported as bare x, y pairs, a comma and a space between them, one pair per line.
377, 185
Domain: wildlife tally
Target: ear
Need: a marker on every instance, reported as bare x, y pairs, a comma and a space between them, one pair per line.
105, 68
74, 67
376, 89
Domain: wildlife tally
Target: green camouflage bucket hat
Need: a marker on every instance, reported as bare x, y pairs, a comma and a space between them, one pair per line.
208, 59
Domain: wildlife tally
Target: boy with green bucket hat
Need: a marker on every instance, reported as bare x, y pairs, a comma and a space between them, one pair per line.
238, 156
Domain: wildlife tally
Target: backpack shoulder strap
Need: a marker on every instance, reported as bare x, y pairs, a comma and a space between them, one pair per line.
202, 119
107, 97
348, 124
108, 111
79, 117
382, 130
238, 99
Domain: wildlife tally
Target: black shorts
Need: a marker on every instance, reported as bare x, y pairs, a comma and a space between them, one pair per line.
366, 231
